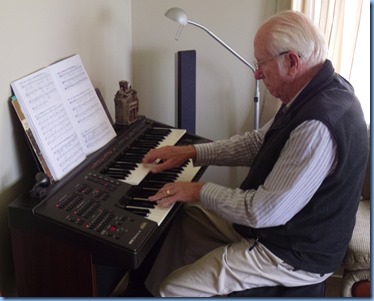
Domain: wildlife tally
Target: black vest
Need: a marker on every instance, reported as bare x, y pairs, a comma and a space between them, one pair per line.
317, 237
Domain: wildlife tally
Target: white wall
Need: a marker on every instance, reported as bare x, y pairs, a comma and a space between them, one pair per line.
34, 34
225, 86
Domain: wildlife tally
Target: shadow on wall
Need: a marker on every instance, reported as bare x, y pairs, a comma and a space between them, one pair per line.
8, 195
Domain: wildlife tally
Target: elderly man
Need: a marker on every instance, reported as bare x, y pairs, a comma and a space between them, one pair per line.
290, 221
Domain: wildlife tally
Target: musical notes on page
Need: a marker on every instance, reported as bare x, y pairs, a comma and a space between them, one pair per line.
64, 113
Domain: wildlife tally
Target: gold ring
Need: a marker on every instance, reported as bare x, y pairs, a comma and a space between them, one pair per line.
168, 192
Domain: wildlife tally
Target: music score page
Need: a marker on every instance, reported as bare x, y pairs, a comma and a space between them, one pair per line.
64, 113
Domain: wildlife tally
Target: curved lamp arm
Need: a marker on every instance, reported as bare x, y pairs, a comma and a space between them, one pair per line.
178, 15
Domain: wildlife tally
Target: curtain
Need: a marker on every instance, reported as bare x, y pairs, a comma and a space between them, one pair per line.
339, 21
346, 27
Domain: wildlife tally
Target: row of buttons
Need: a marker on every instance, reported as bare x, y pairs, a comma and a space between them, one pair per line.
108, 183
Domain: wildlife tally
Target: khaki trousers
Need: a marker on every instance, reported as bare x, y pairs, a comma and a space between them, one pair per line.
203, 256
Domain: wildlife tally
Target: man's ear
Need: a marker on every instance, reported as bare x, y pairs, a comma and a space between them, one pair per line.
294, 62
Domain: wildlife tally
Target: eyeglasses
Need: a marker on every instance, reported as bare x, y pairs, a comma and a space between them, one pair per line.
258, 64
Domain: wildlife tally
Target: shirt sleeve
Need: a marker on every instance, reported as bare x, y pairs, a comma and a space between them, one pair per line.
236, 151
306, 159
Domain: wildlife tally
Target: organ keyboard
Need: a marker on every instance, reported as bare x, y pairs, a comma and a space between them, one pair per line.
103, 205
138, 201
128, 167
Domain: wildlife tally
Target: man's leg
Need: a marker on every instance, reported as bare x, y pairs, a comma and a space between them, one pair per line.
194, 233
234, 267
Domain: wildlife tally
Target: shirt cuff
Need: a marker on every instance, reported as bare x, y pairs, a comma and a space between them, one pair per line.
209, 194
204, 153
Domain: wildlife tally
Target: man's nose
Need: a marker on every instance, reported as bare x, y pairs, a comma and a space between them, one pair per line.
258, 74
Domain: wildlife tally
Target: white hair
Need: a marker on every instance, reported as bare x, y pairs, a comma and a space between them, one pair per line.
293, 31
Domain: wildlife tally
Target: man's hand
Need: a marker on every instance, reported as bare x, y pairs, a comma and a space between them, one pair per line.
170, 157
178, 191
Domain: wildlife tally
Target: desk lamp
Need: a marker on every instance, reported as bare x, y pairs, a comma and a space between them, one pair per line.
179, 15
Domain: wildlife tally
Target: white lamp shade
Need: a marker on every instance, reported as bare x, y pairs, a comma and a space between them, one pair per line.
178, 15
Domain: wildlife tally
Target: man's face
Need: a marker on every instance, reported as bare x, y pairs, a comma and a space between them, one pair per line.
268, 68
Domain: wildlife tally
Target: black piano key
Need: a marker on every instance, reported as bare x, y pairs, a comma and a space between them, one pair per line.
144, 186
157, 184
125, 160
116, 175
131, 155
156, 138
148, 189
136, 200
144, 194
132, 158
175, 170
169, 173
139, 198
148, 143
136, 151
123, 165
142, 212
139, 150
122, 171
140, 203
164, 177
159, 131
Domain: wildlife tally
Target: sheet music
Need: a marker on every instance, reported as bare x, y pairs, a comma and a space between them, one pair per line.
64, 114
83, 105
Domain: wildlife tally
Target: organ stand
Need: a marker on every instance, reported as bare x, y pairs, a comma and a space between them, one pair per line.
47, 266
91, 223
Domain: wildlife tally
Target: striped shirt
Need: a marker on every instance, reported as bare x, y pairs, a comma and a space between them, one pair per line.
307, 158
